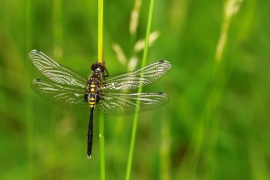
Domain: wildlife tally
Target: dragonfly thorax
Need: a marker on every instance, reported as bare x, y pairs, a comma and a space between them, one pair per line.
93, 88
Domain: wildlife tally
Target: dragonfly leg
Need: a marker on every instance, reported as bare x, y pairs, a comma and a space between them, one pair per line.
86, 97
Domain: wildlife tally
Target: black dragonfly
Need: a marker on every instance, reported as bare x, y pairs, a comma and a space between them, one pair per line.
72, 91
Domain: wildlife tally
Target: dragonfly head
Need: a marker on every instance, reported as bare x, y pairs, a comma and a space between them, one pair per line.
98, 67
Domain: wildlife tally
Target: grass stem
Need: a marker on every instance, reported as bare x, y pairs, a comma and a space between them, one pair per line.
29, 101
101, 117
100, 31
101, 144
135, 120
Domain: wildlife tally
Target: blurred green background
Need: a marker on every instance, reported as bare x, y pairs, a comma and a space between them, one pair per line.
216, 125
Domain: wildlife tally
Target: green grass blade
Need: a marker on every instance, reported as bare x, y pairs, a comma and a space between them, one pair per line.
101, 117
100, 31
135, 120
29, 101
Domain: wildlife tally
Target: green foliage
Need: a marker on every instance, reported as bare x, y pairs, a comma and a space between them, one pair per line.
216, 125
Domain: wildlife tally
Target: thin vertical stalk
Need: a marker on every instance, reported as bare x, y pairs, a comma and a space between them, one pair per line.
219, 81
165, 145
101, 118
135, 120
100, 31
29, 101
57, 54
57, 29
101, 144
207, 132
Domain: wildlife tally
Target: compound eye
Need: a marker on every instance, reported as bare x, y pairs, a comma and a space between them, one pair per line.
94, 66
103, 67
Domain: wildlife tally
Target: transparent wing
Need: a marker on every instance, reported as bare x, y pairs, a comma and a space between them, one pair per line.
118, 104
137, 78
64, 96
56, 72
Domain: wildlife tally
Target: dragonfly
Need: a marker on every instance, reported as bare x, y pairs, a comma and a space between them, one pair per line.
70, 90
